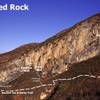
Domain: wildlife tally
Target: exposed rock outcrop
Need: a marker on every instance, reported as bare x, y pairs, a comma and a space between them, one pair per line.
51, 58
76, 44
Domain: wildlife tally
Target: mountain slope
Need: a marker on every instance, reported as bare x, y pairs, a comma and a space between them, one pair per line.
54, 55
80, 88
35, 67
84, 87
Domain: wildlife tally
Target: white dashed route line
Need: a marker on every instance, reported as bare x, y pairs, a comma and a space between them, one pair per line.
54, 82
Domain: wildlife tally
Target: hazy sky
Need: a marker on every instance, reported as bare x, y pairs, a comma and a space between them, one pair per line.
44, 19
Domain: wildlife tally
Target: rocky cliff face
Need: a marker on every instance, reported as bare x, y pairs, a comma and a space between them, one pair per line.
11, 63
54, 55
76, 44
